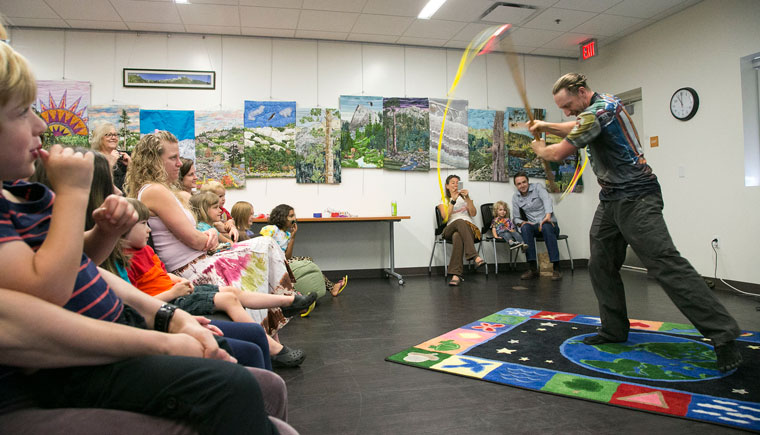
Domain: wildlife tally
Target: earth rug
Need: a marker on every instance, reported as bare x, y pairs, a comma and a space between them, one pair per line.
665, 368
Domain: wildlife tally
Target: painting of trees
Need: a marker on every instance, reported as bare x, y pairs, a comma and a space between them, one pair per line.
318, 133
407, 134
362, 137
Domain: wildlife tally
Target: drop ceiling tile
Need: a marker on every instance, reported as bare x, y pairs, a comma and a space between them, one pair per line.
434, 42
209, 15
366, 37
103, 25
275, 33
312, 34
642, 8
568, 41
288, 4
405, 8
556, 52
335, 5
213, 30
503, 14
147, 12
462, 10
156, 27
523, 49
606, 25
41, 22
532, 37
587, 5
84, 10
269, 18
470, 31
437, 29
456, 44
382, 24
327, 21
27, 9
569, 19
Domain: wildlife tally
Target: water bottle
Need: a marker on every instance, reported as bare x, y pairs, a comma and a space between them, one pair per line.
394, 208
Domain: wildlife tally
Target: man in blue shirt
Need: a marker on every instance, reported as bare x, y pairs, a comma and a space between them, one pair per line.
629, 212
533, 213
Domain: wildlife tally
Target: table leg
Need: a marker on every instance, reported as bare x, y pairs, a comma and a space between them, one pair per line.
392, 270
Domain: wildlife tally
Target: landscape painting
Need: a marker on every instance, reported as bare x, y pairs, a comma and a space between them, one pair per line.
181, 123
161, 78
454, 147
270, 139
488, 157
219, 152
407, 134
64, 104
521, 155
126, 119
562, 171
318, 146
362, 137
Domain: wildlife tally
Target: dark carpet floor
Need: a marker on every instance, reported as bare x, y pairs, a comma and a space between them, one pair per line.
346, 387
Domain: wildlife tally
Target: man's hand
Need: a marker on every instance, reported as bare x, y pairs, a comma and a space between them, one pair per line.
68, 170
115, 216
547, 218
183, 345
536, 126
183, 322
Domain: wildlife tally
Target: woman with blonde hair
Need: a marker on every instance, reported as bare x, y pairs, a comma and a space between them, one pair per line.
254, 265
105, 139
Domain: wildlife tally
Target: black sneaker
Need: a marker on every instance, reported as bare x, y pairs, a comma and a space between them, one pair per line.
728, 356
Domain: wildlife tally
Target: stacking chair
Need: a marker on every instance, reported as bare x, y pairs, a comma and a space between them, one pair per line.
439, 240
540, 238
486, 212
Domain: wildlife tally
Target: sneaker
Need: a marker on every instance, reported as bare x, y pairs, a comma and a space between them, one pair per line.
524, 247
728, 356
529, 274
514, 244
556, 275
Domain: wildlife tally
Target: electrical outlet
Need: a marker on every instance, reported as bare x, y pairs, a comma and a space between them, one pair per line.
715, 242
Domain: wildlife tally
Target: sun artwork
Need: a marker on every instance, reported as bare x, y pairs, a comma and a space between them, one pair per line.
63, 120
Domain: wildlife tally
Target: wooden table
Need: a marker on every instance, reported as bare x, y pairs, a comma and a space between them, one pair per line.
390, 219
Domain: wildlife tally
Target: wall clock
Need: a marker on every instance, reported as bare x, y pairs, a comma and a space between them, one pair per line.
684, 104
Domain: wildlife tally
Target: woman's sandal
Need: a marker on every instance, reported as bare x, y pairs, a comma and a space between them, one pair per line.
479, 264
288, 357
344, 280
299, 304
455, 280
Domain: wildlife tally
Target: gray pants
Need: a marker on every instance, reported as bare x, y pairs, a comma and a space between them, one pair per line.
639, 222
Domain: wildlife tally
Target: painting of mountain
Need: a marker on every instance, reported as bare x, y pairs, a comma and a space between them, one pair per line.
488, 157
219, 148
362, 137
407, 134
454, 147
270, 133
318, 146
563, 171
521, 155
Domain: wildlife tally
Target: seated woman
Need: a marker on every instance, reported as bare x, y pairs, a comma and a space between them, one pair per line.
460, 230
282, 228
253, 265
188, 181
106, 140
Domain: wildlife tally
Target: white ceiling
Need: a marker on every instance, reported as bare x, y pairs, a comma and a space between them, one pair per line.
381, 21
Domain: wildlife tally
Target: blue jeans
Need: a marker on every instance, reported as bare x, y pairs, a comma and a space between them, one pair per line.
549, 232
248, 342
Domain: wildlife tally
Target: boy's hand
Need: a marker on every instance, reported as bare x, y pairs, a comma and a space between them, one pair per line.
68, 170
115, 216
183, 287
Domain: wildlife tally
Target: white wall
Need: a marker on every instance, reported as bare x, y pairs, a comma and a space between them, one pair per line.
316, 73
699, 47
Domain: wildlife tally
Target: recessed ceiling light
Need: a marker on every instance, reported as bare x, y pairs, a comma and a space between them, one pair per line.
181, 2
430, 8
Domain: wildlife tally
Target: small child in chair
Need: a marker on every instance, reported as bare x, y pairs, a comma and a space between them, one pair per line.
503, 228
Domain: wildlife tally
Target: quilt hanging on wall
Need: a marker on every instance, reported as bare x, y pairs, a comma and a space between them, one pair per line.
63, 104
362, 138
126, 119
407, 134
270, 138
219, 152
318, 145
521, 155
488, 153
562, 171
181, 123
454, 147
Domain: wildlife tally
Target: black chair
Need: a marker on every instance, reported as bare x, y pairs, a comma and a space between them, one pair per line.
486, 211
540, 238
438, 239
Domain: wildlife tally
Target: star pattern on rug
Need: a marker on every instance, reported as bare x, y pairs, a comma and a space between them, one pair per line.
739, 391
505, 350
549, 316
573, 327
513, 341
524, 332
548, 361
525, 358
753, 347
548, 324
540, 329
705, 339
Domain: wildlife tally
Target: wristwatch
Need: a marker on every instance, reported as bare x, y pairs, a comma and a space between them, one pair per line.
164, 317
452, 202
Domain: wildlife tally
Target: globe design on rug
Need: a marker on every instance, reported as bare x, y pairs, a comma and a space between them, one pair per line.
657, 357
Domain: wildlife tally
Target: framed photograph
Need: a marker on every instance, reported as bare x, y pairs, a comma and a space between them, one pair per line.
164, 78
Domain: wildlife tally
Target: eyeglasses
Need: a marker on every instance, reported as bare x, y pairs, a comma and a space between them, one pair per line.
111, 135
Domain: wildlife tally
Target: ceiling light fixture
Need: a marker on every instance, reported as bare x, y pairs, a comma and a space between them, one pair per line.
430, 8
181, 2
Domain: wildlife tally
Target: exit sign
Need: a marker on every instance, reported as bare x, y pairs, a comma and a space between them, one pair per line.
588, 49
